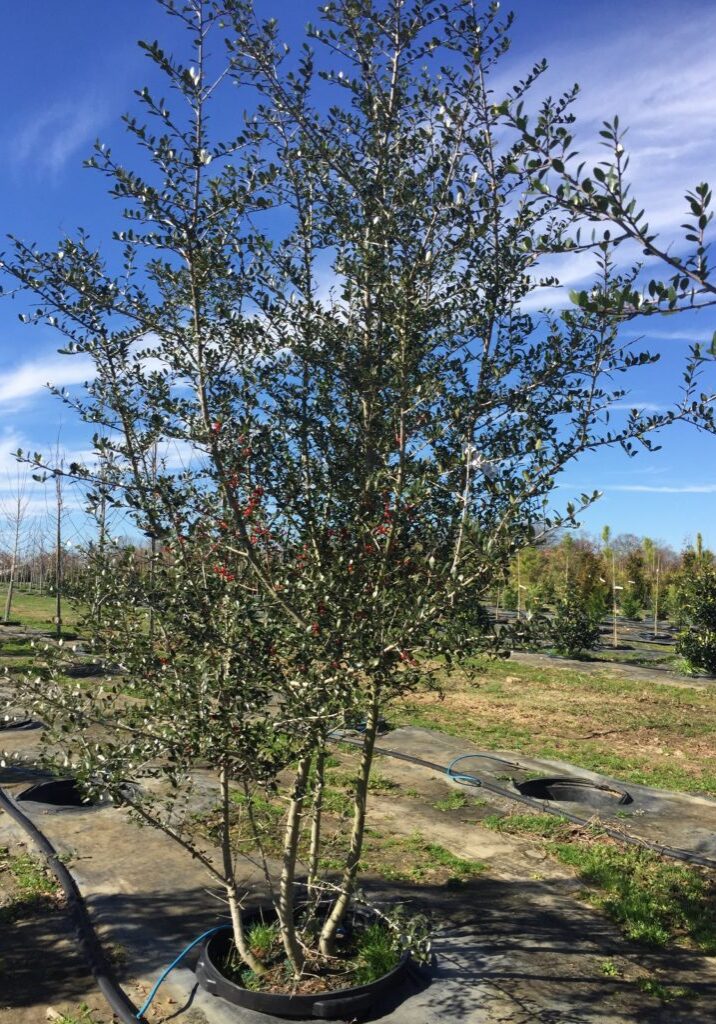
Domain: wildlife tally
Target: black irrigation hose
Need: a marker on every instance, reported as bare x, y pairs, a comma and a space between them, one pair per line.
539, 805
91, 946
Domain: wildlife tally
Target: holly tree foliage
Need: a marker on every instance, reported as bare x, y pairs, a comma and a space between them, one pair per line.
324, 322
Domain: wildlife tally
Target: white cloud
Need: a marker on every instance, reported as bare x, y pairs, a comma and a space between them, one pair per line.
57, 134
646, 488
661, 81
650, 489
686, 334
29, 378
642, 406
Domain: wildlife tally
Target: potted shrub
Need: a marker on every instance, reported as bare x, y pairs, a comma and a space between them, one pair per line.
331, 470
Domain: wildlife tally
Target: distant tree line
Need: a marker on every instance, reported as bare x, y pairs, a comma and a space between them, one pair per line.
640, 575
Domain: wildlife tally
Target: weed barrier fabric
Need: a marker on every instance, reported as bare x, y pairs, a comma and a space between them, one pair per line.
550, 807
118, 1001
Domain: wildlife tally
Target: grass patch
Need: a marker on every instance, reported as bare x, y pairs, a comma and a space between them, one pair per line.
39, 610
376, 954
415, 859
453, 802
457, 800
16, 648
654, 900
666, 993
657, 735
26, 887
30, 876
542, 826
380, 784
261, 938
82, 1015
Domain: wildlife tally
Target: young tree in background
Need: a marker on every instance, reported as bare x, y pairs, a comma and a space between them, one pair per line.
15, 512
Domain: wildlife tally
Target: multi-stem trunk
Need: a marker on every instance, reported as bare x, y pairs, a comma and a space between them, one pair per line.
237, 923
286, 897
316, 817
350, 869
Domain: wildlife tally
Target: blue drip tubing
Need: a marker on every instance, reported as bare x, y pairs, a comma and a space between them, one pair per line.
465, 780
173, 964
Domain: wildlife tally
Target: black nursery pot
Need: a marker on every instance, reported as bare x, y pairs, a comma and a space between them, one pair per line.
18, 723
342, 1004
574, 790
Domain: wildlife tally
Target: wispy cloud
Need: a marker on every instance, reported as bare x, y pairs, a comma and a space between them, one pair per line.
29, 378
642, 406
687, 334
651, 489
662, 84
54, 136
646, 488
667, 102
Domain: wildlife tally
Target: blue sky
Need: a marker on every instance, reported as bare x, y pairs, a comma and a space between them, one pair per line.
70, 70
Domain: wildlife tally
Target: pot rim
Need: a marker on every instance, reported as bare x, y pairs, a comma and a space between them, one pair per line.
308, 1004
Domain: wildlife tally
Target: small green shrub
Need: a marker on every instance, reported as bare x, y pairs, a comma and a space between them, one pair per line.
698, 649
572, 629
630, 605
697, 604
609, 968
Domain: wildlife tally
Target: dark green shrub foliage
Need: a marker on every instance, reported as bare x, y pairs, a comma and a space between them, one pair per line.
630, 605
697, 606
573, 628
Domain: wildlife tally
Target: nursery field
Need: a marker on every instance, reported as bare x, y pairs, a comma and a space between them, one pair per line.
39, 611
426, 841
638, 731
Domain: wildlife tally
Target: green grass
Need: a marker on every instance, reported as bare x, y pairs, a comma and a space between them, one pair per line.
380, 784
15, 648
39, 611
654, 900
543, 826
30, 875
83, 1015
261, 938
666, 993
453, 802
415, 859
26, 885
